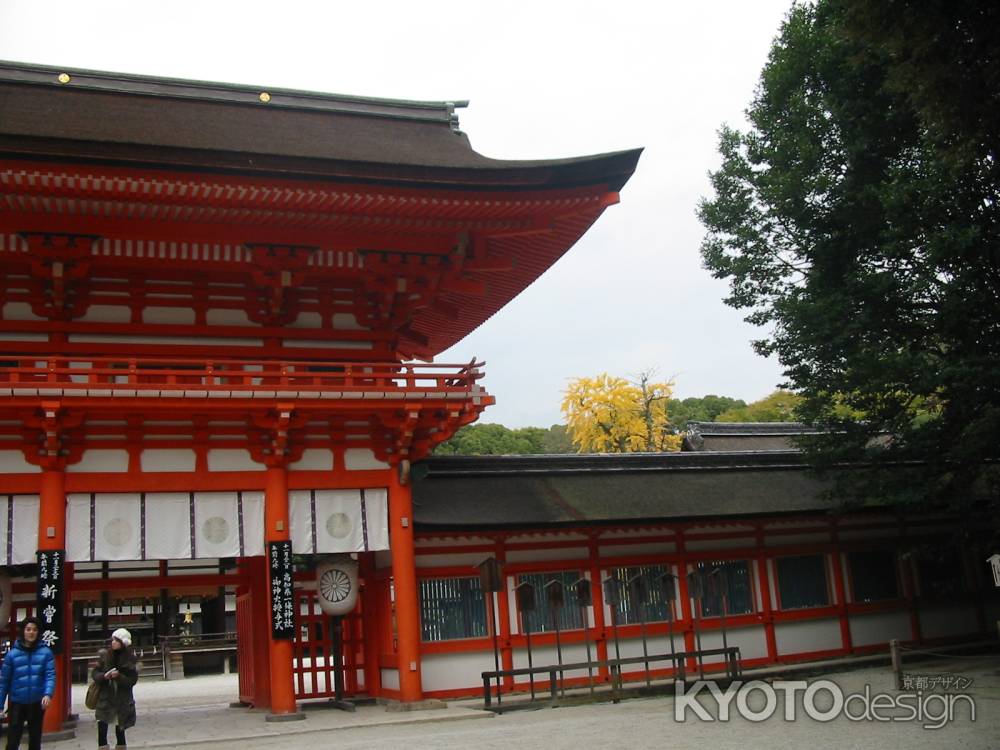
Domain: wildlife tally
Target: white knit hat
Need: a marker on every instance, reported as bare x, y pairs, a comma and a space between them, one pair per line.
123, 635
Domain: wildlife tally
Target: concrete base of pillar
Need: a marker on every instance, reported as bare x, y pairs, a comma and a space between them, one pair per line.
297, 716
427, 704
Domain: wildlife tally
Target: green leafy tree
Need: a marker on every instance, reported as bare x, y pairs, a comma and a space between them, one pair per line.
777, 407
858, 219
704, 409
493, 440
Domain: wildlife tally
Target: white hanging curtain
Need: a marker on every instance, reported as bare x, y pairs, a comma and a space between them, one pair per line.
18, 529
339, 521
163, 525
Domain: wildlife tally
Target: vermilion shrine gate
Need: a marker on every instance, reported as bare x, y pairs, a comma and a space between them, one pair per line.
212, 299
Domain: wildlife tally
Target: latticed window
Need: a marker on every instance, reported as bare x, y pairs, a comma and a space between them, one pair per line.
873, 574
729, 577
540, 620
452, 608
641, 594
802, 581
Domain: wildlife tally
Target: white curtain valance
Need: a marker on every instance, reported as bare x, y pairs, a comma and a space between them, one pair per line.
331, 521
104, 526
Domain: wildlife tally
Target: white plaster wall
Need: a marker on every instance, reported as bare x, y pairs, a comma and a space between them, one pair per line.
155, 460
218, 316
19, 311
104, 459
543, 539
658, 645
314, 459
539, 555
455, 670
100, 338
879, 627
323, 344
940, 622
20, 336
168, 315
232, 459
13, 462
390, 679
751, 640
456, 541
347, 322
543, 656
626, 550
781, 541
107, 314
807, 635
362, 459
307, 320
738, 543
449, 560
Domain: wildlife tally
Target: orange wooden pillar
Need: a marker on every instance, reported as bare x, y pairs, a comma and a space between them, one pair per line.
370, 624
280, 656
597, 597
503, 619
52, 536
404, 576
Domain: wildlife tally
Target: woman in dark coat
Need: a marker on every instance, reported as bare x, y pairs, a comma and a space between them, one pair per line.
116, 672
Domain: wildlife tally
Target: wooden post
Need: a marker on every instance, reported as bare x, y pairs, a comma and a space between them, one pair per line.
280, 656
52, 536
897, 662
404, 576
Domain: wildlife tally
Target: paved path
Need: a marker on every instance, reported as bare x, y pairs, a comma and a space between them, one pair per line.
194, 714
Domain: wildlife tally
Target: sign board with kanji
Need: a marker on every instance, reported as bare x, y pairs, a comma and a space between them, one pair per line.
51, 597
994, 562
279, 555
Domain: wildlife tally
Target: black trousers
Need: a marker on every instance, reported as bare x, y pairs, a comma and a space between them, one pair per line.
102, 734
19, 714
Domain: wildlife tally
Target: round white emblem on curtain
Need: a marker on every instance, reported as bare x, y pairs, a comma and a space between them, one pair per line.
215, 529
117, 532
339, 525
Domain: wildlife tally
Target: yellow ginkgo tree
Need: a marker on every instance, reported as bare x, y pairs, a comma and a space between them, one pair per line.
611, 414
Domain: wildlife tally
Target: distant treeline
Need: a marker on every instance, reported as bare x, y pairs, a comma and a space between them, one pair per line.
496, 440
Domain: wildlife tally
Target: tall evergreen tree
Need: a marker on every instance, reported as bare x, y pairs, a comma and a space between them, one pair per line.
858, 220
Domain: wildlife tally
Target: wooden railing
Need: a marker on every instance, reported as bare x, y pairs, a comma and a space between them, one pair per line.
234, 378
86, 650
557, 682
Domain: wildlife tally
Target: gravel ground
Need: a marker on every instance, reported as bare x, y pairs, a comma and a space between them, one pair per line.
189, 710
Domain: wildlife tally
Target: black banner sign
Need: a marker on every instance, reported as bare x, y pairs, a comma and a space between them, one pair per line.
282, 592
51, 597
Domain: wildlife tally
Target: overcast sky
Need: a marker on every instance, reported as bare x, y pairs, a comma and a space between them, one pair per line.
544, 79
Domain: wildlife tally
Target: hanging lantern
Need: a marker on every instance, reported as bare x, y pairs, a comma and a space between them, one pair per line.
6, 597
337, 584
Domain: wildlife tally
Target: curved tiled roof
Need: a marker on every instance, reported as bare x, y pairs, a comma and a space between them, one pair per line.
57, 112
483, 492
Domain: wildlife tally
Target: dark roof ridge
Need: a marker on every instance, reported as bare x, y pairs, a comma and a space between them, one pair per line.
181, 88
611, 462
751, 428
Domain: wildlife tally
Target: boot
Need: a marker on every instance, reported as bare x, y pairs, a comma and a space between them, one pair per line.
104, 747
121, 747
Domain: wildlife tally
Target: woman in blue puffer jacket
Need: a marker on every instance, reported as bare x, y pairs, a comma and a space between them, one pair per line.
28, 678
